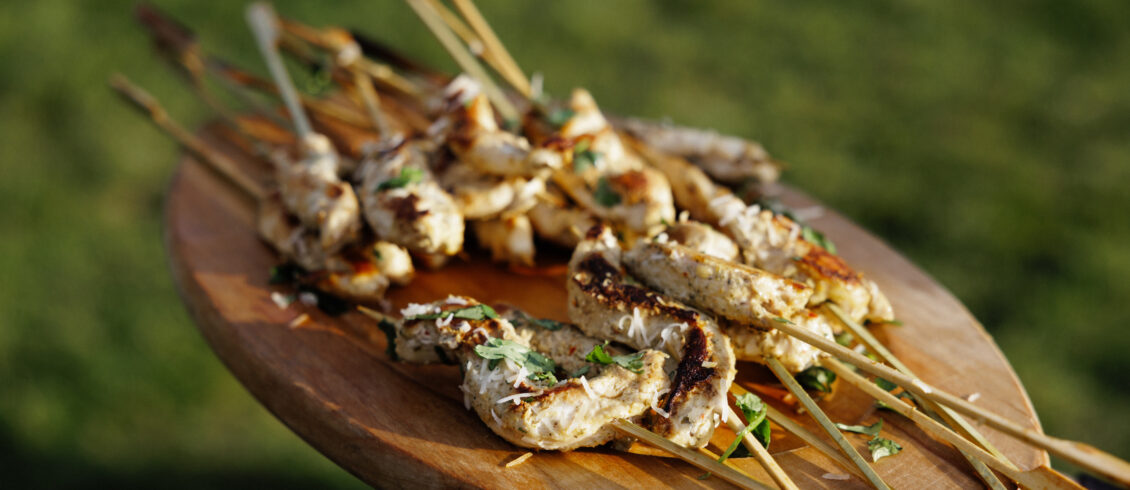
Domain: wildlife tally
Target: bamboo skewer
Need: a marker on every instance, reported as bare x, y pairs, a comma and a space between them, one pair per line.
494, 47
1084, 455
467, 62
264, 24
226, 168
1030, 479
760, 453
708, 463
932, 409
818, 414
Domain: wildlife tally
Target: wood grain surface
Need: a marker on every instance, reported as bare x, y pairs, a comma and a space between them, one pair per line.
394, 424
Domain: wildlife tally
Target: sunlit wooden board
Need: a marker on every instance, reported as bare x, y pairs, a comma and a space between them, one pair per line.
393, 424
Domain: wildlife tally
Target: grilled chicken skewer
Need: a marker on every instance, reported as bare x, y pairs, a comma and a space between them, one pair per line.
540, 413
605, 305
727, 159
360, 273
310, 189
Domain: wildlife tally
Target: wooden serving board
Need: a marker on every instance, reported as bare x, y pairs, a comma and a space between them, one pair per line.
394, 424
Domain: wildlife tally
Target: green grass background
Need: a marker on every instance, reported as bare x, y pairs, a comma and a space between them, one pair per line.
989, 143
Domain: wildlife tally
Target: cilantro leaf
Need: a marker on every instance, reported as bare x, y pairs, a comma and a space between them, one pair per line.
881, 448
817, 378
604, 195
815, 237
497, 349
845, 339
476, 312
631, 362
868, 430
754, 411
558, 117
407, 176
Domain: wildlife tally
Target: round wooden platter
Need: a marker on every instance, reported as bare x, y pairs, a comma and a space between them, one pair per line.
394, 424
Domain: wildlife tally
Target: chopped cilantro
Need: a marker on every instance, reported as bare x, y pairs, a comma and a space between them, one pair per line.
496, 349
845, 339
558, 117
868, 430
817, 378
881, 448
631, 362
551, 325
756, 422
407, 176
815, 237
604, 194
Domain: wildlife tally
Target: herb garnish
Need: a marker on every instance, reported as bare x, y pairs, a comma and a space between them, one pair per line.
551, 325
845, 339
476, 312
558, 117
889, 386
604, 194
817, 378
540, 367
781, 319
407, 176
815, 237
867, 430
390, 335
631, 362
881, 448
580, 372
583, 157
756, 422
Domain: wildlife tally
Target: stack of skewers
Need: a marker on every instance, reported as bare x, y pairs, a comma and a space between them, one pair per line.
673, 277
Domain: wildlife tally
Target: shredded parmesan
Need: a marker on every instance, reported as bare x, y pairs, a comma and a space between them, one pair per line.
417, 309
307, 298
280, 300
655, 404
516, 398
495, 416
522, 373
585, 384
972, 397
519, 460
299, 321
455, 300
443, 322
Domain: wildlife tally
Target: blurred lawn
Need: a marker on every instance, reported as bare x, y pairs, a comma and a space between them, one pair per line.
991, 144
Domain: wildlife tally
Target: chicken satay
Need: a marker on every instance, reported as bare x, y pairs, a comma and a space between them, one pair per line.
510, 240
603, 177
312, 191
703, 238
727, 159
481, 196
565, 343
775, 243
605, 304
691, 188
737, 292
404, 204
512, 387
556, 220
358, 273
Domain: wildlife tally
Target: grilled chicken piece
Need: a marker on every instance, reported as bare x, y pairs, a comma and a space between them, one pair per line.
474, 136
756, 344
509, 240
727, 159
604, 178
481, 196
312, 191
566, 344
777, 244
703, 238
541, 414
605, 304
404, 205
734, 291
692, 188
357, 273
558, 221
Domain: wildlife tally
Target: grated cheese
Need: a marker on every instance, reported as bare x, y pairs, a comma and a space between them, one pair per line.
443, 322
280, 300
655, 403
972, 397
417, 309
516, 398
495, 416
307, 298
455, 300
585, 384
519, 460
